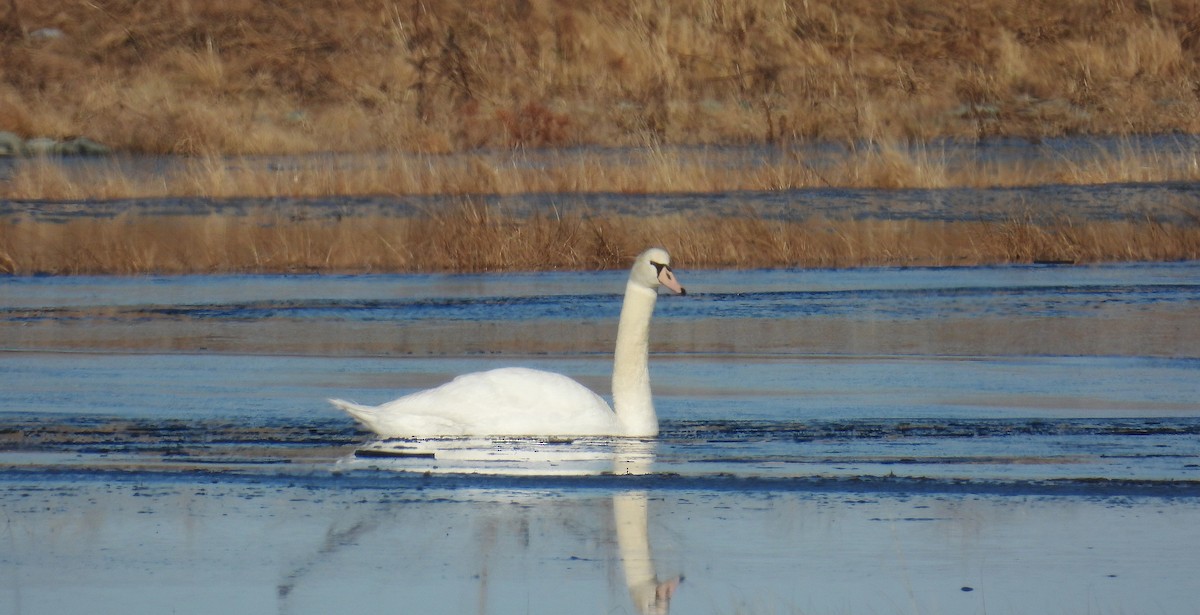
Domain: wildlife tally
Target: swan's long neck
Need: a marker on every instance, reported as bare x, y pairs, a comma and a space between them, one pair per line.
631, 371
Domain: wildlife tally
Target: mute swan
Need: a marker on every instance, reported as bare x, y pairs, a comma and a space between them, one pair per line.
516, 401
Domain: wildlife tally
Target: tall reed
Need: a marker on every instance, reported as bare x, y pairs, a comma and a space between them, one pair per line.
478, 238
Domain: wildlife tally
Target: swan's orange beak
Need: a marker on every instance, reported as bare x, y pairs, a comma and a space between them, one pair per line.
667, 278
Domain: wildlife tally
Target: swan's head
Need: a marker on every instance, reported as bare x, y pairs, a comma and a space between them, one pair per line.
653, 269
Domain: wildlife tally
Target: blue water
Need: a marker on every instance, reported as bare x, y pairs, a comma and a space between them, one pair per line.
1018, 373
971, 440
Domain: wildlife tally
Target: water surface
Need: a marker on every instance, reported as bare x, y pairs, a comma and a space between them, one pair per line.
970, 440
1001, 373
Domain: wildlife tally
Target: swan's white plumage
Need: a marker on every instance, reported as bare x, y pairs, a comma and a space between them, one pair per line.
516, 401
510, 401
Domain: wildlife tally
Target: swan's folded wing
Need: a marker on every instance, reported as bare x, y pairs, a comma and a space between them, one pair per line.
507, 401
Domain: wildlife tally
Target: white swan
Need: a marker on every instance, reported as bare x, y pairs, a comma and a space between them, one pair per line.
516, 401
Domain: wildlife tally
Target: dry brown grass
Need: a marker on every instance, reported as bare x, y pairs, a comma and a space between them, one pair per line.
249, 77
649, 169
476, 238
461, 98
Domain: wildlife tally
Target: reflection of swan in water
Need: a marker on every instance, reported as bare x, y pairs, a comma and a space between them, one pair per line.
630, 508
504, 456
631, 518
650, 596
525, 402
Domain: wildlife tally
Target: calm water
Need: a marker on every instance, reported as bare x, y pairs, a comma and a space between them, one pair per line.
1168, 202
1009, 373
1007, 439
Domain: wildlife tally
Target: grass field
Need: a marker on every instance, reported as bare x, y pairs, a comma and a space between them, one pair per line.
249, 77
443, 97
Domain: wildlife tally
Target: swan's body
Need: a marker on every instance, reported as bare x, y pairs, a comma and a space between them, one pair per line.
507, 401
517, 401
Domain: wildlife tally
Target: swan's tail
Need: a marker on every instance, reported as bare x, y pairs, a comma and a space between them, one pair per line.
363, 414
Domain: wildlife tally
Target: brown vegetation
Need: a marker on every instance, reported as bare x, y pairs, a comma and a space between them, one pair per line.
461, 98
651, 169
248, 77
478, 238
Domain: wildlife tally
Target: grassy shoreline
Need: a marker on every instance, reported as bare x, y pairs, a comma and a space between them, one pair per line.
649, 169
461, 235
474, 238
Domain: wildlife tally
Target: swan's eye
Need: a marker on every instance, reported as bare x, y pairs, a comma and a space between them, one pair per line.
658, 267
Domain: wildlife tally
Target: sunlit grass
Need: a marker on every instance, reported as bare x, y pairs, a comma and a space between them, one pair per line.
477, 238
444, 76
